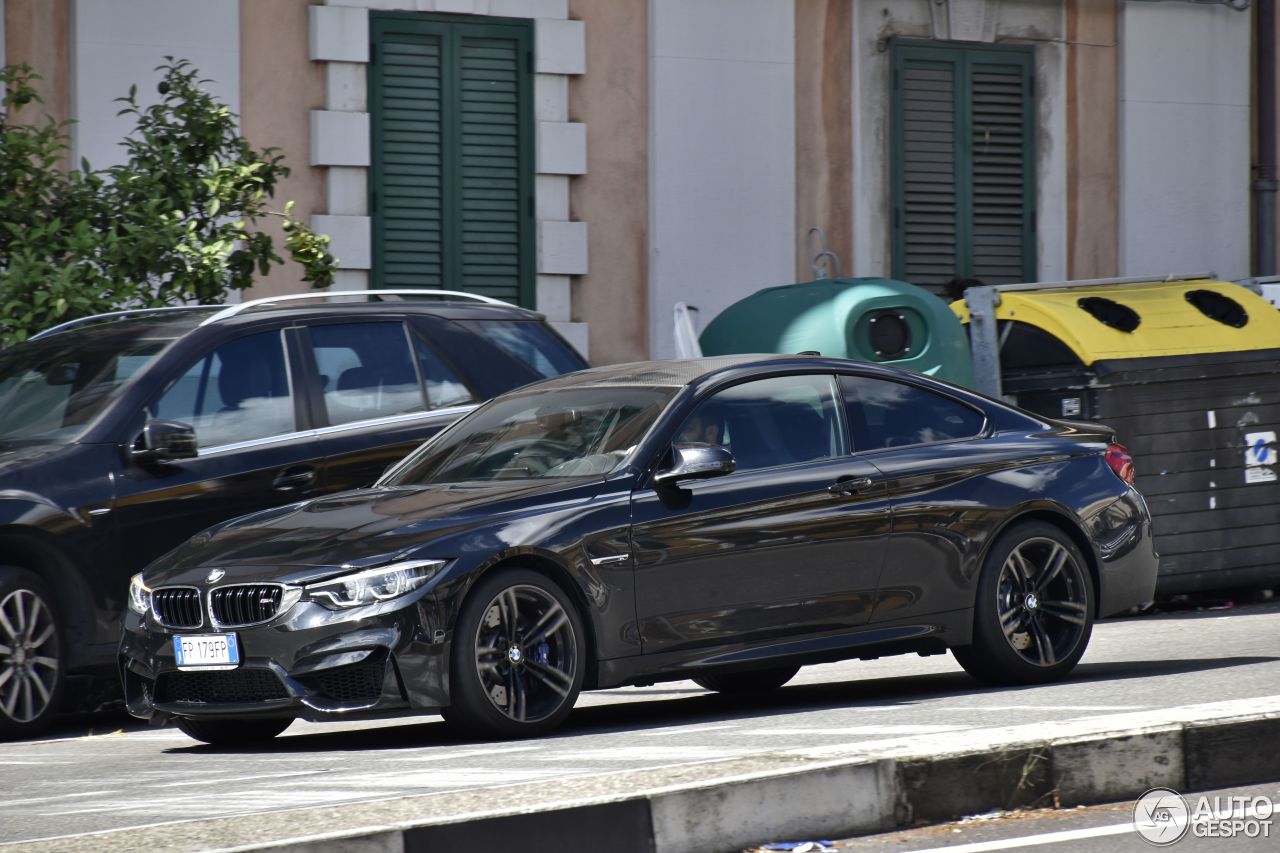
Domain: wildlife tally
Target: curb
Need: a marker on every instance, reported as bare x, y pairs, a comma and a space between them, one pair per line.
725, 806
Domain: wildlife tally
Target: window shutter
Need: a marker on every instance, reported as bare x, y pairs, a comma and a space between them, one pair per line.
962, 168
489, 172
453, 157
927, 211
1000, 188
408, 159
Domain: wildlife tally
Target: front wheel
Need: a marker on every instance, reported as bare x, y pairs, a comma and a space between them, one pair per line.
225, 732
742, 683
32, 656
518, 656
1034, 609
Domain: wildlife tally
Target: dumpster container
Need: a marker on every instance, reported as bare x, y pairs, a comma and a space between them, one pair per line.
1187, 371
869, 319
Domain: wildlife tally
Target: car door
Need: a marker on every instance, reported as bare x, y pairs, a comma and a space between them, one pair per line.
379, 391
923, 443
789, 544
240, 395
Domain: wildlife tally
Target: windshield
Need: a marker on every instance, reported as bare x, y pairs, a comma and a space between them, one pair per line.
51, 389
574, 432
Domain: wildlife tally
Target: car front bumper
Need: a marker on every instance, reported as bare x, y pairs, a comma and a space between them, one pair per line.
309, 662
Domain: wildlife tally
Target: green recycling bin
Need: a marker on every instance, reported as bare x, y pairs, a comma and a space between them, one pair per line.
868, 319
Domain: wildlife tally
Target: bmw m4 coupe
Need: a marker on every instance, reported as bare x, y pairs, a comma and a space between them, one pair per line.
726, 519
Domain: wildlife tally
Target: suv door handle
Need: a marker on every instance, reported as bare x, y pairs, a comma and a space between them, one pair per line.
850, 485
294, 479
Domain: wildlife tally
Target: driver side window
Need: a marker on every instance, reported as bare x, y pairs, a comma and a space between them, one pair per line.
238, 392
784, 420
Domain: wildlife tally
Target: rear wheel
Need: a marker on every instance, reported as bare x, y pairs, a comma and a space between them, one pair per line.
754, 681
1034, 609
224, 732
518, 656
32, 654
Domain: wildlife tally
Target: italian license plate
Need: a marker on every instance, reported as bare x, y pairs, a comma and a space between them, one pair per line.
206, 651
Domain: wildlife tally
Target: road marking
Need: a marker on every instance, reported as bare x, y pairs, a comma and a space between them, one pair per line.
852, 730
1048, 708
7, 803
467, 753
667, 731
647, 753
214, 780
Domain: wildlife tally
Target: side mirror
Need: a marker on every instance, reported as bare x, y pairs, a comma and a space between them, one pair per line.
697, 462
164, 441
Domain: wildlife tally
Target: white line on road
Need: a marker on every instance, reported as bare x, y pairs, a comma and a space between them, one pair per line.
214, 780
667, 731
8, 803
466, 753
852, 730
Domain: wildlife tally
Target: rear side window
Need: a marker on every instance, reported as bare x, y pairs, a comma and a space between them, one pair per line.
530, 342
366, 371
893, 414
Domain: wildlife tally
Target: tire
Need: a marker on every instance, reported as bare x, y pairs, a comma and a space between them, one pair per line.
752, 681
1034, 608
230, 732
32, 654
512, 678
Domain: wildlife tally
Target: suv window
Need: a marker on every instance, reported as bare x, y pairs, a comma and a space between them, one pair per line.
893, 414
366, 371
531, 343
779, 421
238, 392
443, 387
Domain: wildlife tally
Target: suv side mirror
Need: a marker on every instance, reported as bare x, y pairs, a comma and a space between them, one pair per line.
697, 462
164, 441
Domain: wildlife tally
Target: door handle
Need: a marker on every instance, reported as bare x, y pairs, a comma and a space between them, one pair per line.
294, 479
850, 485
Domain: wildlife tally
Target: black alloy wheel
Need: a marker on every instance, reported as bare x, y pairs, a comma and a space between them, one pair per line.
743, 683
1034, 609
32, 661
230, 732
518, 656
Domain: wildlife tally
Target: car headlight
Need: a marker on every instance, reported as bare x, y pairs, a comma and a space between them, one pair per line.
373, 585
139, 595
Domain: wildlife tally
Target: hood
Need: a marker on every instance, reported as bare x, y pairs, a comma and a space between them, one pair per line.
368, 527
15, 456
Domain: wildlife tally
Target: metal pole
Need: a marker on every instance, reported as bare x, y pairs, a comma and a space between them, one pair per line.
1265, 182
984, 342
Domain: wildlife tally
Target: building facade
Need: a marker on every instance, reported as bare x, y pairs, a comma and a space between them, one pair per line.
601, 160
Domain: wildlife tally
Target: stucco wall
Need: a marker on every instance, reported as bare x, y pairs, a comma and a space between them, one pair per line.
1184, 139
722, 155
117, 44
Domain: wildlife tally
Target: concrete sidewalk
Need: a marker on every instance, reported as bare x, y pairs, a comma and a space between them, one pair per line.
726, 805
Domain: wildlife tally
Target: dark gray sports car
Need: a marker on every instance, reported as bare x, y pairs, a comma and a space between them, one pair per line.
727, 520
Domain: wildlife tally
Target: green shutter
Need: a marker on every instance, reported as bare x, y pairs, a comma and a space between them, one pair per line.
963, 189
452, 177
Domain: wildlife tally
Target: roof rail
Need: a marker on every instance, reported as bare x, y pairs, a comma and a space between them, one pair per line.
93, 318
1094, 282
232, 310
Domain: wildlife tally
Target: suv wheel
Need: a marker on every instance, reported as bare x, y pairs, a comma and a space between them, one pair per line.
32, 661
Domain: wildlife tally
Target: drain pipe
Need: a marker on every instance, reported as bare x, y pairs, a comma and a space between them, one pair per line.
1265, 182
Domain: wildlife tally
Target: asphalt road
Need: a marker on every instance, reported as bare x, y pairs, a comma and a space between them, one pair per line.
1096, 829
118, 776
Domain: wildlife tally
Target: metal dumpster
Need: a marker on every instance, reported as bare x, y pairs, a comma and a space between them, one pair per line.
1187, 370
870, 319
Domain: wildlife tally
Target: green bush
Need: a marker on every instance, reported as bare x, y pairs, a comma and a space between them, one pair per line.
176, 224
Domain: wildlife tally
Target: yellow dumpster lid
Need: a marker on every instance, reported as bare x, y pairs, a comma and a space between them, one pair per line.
1168, 319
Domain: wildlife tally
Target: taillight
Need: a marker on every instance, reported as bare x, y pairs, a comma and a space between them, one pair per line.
1121, 461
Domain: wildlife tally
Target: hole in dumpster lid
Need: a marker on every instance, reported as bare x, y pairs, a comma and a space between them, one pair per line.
1215, 306
889, 334
1111, 313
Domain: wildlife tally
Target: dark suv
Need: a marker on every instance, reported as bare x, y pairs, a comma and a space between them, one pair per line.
124, 434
